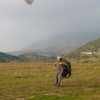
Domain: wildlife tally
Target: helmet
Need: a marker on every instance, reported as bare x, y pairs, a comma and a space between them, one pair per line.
58, 57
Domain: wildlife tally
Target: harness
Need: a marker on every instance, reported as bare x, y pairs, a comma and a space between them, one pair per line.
67, 70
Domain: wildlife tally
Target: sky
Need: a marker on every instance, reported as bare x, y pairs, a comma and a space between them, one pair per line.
22, 24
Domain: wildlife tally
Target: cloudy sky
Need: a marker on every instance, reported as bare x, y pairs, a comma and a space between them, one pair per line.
22, 24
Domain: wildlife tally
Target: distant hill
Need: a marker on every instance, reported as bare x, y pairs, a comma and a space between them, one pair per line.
7, 58
90, 49
59, 44
25, 57
64, 39
33, 57
48, 52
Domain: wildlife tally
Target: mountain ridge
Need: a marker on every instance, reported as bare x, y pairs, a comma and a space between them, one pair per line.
90, 48
64, 39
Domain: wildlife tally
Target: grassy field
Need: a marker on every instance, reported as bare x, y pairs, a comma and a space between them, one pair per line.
35, 81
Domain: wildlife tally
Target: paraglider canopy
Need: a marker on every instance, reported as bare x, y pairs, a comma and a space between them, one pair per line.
29, 1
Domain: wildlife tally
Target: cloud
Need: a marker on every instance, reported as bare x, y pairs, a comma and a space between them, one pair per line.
22, 24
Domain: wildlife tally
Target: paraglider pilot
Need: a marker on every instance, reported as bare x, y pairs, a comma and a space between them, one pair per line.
64, 69
60, 70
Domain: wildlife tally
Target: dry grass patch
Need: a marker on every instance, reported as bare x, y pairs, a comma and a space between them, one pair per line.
35, 81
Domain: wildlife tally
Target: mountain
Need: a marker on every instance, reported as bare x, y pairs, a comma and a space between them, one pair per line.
61, 43
91, 48
47, 52
64, 39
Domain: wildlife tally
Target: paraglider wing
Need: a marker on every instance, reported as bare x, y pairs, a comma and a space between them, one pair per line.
29, 1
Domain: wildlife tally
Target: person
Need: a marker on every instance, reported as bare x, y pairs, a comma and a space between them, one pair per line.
61, 65
64, 70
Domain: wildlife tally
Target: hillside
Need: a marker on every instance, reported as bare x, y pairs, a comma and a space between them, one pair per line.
61, 43
88, 50
32, 57
6, 57
48, 52
64, 39
25, 57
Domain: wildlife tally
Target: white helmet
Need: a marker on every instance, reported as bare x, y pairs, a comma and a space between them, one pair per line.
58, 57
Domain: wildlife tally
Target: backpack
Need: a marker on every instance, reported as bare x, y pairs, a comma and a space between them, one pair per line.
67, 70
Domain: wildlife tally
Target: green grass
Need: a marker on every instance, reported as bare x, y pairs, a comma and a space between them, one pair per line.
35, 81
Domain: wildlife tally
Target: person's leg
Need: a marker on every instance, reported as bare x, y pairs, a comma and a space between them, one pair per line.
59, 77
